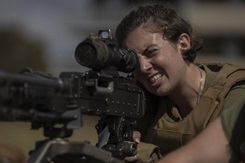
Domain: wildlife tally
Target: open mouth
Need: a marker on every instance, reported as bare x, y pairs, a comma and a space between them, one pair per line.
155, 78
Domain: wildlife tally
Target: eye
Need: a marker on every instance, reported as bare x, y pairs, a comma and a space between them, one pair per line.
151, 52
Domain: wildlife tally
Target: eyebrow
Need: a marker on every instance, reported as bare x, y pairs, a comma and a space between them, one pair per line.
147, 49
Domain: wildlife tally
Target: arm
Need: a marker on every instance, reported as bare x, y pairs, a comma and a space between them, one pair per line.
210, 146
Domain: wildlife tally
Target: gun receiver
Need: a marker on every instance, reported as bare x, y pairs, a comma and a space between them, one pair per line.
46, 101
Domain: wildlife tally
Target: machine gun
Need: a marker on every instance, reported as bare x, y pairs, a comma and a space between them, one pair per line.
56, 104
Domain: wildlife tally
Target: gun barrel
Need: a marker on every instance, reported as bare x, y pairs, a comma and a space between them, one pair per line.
20, 79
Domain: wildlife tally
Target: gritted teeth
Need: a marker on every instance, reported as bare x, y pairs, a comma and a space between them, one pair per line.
154, 78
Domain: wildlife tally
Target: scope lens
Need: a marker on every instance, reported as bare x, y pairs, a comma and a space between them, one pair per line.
85, 55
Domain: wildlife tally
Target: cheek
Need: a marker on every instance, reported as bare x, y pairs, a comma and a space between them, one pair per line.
172, 63
137, 72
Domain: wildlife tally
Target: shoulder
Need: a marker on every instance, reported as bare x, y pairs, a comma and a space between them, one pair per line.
216, 67
225, 74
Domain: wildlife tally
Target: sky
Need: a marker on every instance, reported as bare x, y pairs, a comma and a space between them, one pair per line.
61, 24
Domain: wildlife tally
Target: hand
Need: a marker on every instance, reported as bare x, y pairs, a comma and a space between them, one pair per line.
136, 139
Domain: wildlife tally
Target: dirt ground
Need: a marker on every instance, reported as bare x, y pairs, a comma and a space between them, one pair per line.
20, 135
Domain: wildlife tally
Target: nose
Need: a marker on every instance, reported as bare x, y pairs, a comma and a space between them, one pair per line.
145, 65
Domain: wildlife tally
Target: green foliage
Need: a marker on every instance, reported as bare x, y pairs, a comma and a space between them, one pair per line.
18, 51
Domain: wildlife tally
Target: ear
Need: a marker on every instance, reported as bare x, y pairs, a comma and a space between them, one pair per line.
184, 42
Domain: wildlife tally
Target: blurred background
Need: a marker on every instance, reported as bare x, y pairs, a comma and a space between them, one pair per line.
43, 35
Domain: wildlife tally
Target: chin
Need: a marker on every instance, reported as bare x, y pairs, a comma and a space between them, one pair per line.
156, 93
161, 92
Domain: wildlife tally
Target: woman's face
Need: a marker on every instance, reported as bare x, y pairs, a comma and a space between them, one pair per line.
162, 66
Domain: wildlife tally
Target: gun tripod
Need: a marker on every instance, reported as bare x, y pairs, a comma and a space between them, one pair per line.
63, 151
59, 150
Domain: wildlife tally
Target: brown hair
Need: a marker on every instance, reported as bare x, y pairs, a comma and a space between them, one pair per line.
163, 18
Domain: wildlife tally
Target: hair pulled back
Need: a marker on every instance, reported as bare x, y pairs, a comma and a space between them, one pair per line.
158, 17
